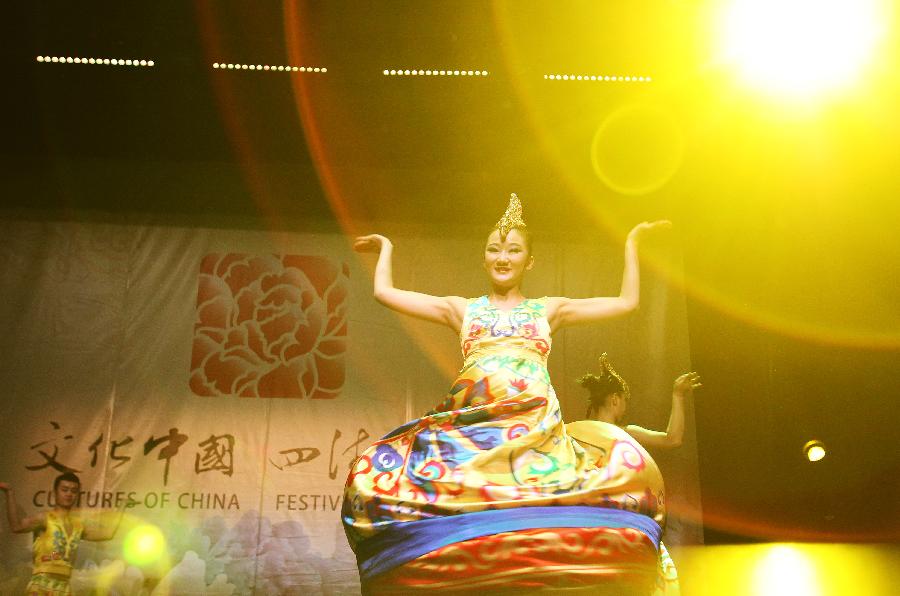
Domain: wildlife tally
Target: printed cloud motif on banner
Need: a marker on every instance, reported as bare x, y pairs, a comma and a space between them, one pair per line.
270, 326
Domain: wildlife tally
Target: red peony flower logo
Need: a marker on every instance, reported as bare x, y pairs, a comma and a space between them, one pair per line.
270, 326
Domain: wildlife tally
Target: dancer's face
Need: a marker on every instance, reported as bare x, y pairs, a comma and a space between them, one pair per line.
67, 494
507, 259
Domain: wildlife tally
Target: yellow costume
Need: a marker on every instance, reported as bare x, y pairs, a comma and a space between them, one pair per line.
490, 490
53, 554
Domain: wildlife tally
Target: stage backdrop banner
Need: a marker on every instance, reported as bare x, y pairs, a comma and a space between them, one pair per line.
222, 381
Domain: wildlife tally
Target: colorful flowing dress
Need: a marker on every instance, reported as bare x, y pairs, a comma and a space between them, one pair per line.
490, 491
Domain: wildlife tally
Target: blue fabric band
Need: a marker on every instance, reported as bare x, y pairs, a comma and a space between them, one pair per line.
405, 541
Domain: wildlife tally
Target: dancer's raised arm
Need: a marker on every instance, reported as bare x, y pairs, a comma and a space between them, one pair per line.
17, 523
565, 312
447, 310
672, 437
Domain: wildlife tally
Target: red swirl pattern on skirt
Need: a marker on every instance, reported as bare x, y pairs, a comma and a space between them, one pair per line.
613, 560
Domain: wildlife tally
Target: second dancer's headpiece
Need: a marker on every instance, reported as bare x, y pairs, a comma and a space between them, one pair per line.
606, 369
512, 218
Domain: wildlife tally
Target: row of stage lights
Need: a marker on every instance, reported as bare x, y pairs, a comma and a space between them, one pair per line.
101, 61
603, 78
321, 69
230, 66
434, 73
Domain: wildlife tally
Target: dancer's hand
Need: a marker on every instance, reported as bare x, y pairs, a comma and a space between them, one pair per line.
686, 383
371, 243
646, 226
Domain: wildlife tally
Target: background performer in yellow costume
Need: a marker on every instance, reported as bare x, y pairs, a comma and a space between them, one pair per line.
488, 492
602, 429
57, 534
609, 397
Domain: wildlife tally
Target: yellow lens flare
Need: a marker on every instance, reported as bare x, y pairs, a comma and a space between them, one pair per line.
144, 545
637, 149
801, 48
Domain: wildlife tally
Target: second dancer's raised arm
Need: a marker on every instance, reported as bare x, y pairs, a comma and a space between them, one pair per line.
673, 436
446, 310
566, 312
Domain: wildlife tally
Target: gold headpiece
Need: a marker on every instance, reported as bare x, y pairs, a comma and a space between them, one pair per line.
607, 369
512, 218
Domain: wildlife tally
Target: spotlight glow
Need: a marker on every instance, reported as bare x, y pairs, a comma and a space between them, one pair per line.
800, 47
785, 571
144, 545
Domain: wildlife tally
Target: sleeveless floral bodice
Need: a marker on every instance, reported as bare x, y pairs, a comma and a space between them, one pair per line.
53, 550
523, 330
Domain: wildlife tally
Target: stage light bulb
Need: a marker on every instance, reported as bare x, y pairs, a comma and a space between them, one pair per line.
814, 450
798, 48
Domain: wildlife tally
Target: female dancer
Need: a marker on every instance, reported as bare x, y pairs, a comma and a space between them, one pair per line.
488, 491
608, 403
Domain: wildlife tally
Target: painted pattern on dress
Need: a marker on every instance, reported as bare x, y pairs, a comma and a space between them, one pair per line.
496, 440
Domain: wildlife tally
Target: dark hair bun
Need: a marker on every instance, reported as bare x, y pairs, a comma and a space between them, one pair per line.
600, 386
